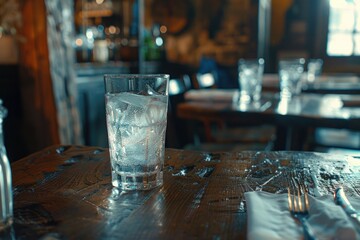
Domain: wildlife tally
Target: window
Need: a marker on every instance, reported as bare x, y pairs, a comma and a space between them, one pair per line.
344, 28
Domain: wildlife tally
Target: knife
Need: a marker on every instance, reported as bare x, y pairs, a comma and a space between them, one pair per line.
341, 199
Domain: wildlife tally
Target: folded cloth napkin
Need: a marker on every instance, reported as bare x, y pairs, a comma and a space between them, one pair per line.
269, 218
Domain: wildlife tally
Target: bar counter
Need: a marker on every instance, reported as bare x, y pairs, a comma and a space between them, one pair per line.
65, 192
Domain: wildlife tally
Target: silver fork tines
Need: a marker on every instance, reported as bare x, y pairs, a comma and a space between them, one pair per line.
299, 205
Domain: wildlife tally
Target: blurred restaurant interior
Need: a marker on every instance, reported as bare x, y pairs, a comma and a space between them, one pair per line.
54, 53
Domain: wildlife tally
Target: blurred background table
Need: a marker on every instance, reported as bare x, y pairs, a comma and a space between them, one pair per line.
340, 83
295, 119
65, 192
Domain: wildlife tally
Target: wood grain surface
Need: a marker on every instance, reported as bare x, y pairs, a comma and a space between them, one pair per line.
65, 192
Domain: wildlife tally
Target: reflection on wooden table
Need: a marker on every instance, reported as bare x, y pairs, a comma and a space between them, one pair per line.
64, 192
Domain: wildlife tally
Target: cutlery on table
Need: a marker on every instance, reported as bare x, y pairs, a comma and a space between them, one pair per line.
299, 207
341, 200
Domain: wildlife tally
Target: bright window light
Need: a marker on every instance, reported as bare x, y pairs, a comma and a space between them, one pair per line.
344, 28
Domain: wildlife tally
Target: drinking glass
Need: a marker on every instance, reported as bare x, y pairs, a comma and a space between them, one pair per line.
6, 194
290, 73
136, 116
250, 79
314, 69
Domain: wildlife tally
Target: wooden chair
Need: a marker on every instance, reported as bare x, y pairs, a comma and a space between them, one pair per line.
217, 135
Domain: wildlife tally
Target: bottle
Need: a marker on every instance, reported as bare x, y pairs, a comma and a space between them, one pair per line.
6, 195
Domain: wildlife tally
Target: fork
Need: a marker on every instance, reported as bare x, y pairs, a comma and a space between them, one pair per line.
299, 206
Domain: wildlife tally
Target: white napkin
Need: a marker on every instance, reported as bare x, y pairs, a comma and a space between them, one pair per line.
269, 218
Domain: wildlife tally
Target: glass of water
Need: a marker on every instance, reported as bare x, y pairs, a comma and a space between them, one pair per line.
250, 79
314, 69
290, 74
136, 116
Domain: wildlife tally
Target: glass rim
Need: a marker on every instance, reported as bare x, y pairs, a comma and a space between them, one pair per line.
136, 75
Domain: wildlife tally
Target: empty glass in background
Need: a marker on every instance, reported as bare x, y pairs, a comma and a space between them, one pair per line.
136, 115
250, 79
290, 76
314, 69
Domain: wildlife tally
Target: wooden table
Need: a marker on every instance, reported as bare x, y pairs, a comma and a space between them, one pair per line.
303, 112
341, 83
65, 192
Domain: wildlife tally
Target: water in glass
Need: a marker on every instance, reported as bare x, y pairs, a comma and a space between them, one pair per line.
136, 129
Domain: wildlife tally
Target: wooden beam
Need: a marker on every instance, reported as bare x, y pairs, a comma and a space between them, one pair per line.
40, 126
